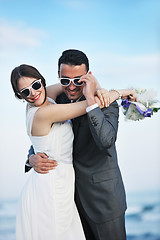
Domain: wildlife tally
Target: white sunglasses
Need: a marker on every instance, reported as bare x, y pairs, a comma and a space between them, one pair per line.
64, 81
36, 85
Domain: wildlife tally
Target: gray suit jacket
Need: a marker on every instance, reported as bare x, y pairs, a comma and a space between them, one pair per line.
98, 179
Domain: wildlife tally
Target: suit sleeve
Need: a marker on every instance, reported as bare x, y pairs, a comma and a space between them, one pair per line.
27, 165
103, 124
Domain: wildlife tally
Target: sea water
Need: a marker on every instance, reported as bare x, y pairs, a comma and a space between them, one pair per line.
142, 216
7, 219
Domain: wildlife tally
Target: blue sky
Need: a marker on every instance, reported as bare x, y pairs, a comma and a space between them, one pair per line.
121, 39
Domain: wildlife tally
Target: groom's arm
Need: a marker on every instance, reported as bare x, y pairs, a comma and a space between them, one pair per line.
27, 164
53, 91
40, 162
103, 124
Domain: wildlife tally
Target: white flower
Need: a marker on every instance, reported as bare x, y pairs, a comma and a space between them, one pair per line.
156, 105
139, 90
145, 107
147, 97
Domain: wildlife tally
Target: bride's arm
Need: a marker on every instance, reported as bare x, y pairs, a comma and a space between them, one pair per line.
47, 115
60, 112
110, 96
53, 91
123, 94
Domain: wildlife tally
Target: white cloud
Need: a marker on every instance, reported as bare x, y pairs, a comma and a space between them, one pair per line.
122, 62
127, 71
17, 34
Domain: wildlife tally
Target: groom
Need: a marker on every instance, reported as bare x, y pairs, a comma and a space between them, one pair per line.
99, 191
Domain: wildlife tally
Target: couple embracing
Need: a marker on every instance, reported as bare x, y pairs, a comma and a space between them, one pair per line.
75, 190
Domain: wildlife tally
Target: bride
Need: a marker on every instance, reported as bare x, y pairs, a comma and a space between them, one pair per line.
46, 208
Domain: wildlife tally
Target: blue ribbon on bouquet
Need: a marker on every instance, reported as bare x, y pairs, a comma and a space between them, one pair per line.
125, 104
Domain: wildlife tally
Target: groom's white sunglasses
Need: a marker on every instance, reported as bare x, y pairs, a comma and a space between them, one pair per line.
64, 81
36, 85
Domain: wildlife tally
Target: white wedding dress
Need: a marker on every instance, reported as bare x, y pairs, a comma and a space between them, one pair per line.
46, 208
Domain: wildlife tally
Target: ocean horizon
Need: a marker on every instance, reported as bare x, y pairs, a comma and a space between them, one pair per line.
142, 216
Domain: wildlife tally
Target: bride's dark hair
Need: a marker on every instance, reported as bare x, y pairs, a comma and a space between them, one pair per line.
25, 70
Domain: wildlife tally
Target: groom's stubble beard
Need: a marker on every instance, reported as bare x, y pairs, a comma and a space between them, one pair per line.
73, 94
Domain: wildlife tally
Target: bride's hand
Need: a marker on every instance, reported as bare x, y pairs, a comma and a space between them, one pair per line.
104, 97
130, 94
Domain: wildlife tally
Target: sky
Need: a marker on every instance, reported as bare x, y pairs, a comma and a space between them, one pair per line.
122, 41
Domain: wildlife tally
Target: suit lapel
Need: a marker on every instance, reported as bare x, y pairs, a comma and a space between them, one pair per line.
76, 121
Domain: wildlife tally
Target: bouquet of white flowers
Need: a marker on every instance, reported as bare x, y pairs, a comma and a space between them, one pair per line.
145, 106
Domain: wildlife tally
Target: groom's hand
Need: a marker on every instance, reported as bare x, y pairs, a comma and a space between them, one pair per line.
89, 89
41, 163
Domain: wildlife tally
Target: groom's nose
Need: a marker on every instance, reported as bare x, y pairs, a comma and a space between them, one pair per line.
71, 86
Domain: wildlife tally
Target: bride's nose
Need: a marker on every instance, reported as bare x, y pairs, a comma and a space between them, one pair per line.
32, 92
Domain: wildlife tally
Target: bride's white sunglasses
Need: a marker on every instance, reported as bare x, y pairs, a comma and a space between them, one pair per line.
36, 85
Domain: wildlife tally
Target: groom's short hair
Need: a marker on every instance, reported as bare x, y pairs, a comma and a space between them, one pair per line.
73, 57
